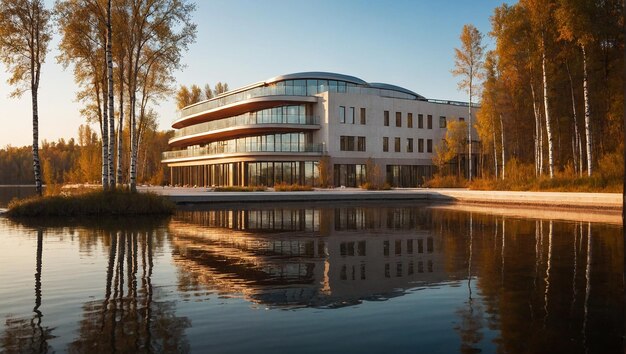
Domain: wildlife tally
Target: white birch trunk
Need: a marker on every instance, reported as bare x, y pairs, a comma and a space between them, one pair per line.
36, 161
576, 144
587, 114
105, 144
495, 148
469, 127
547, 110
502, 142
109, 60
120, 132
537, 134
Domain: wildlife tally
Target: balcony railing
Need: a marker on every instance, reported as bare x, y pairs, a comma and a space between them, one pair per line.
246, 119
221, 148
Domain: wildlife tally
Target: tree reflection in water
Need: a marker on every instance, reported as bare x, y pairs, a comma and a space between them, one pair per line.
129, 320
29, 335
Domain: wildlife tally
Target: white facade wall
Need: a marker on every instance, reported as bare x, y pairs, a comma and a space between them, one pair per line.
374, 129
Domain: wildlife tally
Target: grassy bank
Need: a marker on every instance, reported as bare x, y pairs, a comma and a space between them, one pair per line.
92, 203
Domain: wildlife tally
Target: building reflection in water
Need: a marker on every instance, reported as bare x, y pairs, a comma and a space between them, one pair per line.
129, 319
307, 257
523, 277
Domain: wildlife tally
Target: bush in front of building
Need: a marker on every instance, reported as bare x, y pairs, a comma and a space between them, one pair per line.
446, 181
240, 189
376, 186
284, 187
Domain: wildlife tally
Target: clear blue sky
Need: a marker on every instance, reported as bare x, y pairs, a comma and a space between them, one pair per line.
406, 43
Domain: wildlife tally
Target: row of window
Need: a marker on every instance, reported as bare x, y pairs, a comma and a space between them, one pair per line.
350, 117
409, 145
420, 120
346, 143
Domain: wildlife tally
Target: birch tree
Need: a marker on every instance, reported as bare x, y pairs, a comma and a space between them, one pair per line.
159, 31
576, 20
25, 33
468, 65
111, 118
541, 17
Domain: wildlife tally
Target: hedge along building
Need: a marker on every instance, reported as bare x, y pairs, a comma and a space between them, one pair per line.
280, 129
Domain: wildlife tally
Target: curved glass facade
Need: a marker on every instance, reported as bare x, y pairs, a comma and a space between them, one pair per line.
290, 142
298, 114
293, 88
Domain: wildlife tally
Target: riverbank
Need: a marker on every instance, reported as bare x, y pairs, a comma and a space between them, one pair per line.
597, 201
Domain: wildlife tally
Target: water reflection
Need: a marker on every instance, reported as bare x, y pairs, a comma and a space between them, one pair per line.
306, 257
522, 277
403, 274
30, 335
128, 319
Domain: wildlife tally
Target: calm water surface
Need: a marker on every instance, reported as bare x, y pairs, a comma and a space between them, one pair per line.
324, 278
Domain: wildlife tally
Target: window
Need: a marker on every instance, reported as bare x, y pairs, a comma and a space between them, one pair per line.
396, 145
362, 116
409, 120
409, 145
386, 118
350, 143
346, 143
385, 144
461, 119
442, 122
361, 143
342, 114
429, 145
351, 115
420, 121
430, 121
420, 145
398, 119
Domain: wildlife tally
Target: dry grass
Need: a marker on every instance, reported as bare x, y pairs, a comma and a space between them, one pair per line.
92, 203
439, 181
607, 178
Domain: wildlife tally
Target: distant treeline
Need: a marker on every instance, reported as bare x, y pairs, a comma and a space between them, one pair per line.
71, 161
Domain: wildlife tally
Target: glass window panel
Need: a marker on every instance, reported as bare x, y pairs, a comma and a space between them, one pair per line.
341, 86
351, 115
299, 87
311, 87
342, 114
288, 87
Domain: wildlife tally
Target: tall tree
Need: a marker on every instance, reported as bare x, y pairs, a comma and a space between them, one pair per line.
541, 16
159, 32
83, 30
25, 33
109, 59
468, 65
576, 22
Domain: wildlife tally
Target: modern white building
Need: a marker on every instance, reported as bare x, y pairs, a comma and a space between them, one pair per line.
280, 129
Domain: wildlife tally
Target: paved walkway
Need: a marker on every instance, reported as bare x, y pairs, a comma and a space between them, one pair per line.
603, 201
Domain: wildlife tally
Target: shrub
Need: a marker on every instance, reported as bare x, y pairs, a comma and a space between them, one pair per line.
94, 203
284, 187
240, 189
448, 181
375, 186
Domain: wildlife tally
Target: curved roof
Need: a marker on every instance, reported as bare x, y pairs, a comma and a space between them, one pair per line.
381, 85
317, 75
